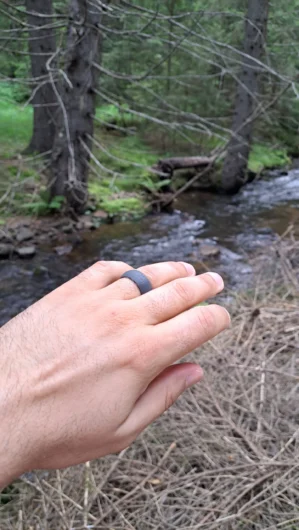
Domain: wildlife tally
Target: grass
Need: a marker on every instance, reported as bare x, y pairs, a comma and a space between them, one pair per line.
15, 124
111, 193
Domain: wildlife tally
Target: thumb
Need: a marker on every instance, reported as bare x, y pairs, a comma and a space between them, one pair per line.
161, 395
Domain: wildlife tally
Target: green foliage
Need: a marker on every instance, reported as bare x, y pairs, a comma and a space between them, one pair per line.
264, 157
42, 206
127, 206
119, 116
179, 77
15, 123
155, 185
114, 202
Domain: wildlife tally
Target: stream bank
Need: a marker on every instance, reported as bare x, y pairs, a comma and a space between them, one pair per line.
214, 232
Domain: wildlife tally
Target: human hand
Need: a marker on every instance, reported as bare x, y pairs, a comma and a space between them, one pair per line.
87, 368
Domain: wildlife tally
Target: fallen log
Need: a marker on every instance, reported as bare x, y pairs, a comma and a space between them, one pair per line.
167, 166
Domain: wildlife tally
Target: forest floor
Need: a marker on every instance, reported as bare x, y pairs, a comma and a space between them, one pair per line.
226, 456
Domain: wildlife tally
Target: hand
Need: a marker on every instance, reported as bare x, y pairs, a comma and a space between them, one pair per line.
86, 369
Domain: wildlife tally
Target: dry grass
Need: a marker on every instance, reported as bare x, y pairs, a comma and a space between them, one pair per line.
225, 457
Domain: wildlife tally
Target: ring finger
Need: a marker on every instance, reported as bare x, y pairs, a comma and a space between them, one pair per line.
158, 274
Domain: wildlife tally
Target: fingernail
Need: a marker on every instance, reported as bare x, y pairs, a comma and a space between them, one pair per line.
195, 377
189, 268
217, 278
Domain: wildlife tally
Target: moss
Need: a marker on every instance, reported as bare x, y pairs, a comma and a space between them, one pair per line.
126, 206
263, 157
116, 203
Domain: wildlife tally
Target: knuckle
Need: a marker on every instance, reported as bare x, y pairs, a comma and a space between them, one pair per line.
93, 271
178, 268
208, 280
170, 399
206, 320
150, 273
98, 268
102, 266
182, 291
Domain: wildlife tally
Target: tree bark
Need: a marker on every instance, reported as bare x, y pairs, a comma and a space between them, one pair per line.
42, 46
234, 172
74, 132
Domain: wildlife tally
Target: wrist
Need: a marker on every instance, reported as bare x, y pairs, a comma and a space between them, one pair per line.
13, 443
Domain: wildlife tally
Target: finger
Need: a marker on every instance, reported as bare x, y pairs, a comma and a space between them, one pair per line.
100, 275
172, 299
158, 274
185, 333
161, 395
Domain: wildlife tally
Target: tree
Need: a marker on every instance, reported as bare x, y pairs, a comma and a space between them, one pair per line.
42, 48
236, 161
74, 131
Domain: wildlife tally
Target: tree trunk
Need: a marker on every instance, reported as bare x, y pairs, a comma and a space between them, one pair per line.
42, 46
234, 173
74, 132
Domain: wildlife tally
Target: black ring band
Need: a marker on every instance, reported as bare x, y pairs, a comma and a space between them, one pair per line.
142, 282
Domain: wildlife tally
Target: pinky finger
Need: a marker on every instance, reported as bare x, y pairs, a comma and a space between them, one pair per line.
161, 394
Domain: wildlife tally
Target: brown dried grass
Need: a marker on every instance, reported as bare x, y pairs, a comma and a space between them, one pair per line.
226, 456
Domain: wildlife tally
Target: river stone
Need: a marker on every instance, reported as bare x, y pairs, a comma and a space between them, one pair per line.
68, 229
63, 250
100, 214
209, 251
26, 252
85, 224
24, 234
5, 237
5, 251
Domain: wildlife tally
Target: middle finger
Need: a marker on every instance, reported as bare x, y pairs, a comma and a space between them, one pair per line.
177, 296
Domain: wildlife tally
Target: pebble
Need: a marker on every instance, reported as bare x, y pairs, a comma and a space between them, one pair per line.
26, 252
209, 251
24, 234
5, 251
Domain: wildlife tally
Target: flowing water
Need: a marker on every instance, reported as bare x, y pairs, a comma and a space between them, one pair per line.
237, 225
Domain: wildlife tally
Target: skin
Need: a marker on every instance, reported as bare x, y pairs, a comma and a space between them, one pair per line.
86, 369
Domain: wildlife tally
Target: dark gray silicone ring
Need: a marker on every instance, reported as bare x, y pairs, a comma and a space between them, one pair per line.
143, 284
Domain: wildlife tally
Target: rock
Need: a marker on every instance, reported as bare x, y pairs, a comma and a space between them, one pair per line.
68, 229
85, 224
5, 237
74, 239
26, 252
100, 214
5, 251
40, 271
24, 234
63, 250
209, 251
